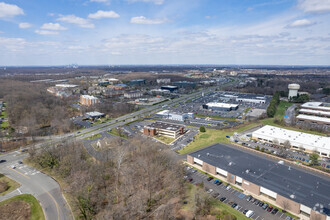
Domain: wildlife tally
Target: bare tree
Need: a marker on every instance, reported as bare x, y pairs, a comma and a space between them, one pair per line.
285, 205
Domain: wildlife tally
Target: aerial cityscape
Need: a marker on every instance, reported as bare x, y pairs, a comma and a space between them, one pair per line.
165, 109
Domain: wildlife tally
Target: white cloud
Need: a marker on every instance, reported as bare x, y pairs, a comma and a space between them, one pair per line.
103, 14
144, 20
24, 25
53, 27
81, 22
314, 6
107, 2
45, 32
156, 2
8, 10
301, 23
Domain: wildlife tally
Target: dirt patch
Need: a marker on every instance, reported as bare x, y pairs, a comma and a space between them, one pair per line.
3, 186
16, 210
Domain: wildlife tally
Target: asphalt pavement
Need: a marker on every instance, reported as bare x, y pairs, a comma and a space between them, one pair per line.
45, 189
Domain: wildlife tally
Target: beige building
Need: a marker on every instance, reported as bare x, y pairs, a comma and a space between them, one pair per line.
88, 100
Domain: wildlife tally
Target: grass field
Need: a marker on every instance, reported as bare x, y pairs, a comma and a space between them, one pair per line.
36, 210
280, 111
3, 114
12, 184
4, 124
114, 131
218, 208
213, 136
166, 140
93, 137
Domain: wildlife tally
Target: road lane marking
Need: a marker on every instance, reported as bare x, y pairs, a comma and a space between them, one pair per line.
20, 173
57, 207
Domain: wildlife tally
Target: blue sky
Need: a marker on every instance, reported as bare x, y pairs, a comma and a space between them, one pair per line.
112, 32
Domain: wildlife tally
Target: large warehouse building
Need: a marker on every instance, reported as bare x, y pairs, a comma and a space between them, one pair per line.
298, 140
290, 188
220, 106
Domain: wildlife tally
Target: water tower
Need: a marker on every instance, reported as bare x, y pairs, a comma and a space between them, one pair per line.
293, 90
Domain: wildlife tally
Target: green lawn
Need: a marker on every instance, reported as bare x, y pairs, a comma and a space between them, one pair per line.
93, 137
280, 111
36, 210
4, 124
166, 140
3, 114
213, 136
12, 184
114, 131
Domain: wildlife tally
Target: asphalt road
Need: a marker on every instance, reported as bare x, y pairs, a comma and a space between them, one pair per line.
44, 188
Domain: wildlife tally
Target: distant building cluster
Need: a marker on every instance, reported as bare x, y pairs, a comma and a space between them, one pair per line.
63, 90
163, 81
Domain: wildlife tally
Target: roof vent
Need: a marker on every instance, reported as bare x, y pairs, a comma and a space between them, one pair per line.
292, 196
207, 154
198, 155
230, 163
247, 171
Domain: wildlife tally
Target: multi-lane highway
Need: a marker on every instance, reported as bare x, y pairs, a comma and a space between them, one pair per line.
44, 188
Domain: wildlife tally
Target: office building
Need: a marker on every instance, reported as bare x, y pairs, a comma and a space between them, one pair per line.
88, 100
220, 106
164, 129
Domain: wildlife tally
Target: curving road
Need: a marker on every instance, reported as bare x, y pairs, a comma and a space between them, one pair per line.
44, 188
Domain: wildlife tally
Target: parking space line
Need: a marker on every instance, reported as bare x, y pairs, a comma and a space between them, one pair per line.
257, 217
281, 215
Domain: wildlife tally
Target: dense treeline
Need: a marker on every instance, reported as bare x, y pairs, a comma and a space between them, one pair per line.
30, 105
139, 180
271, 110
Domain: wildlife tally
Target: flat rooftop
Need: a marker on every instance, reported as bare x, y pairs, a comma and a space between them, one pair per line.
314, 118
94, 114
166, 126
308, 189
314, 112
296, 138
221, 105
315, 105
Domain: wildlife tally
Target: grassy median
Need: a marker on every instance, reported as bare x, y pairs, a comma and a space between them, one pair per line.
35, 213
9, 184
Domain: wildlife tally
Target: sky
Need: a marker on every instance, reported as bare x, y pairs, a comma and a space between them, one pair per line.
117, 32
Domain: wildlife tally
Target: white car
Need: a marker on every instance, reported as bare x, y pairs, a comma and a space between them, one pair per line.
249, 213
13, 166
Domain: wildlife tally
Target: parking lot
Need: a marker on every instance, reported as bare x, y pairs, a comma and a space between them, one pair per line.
234, 198
245, 139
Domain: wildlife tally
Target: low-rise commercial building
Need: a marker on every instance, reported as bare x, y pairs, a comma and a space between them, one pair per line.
217, 106
170, 88
164, 81
117, 86
320, 106
290, 188
137, 82
88, 100
134, 94
164, 129
166, 114
298, 140
313, 119
94, 115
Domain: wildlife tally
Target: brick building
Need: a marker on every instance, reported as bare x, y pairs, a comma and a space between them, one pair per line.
164, 129
88, 100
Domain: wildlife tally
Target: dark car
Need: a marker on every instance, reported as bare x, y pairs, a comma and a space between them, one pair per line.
222, 199
219, 183
274, 211
2, 161
245, 211
191, 179
234, 205
20, 162
270, 208
261, 204
265, 206
210, 178
253, 200
249, 198
257, 202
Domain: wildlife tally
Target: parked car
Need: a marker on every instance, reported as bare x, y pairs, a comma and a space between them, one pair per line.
13, 166
210, 178
234, 205
228, 187
222, 199
274, 211
265, 206
261, 204
2, 161
249, 213
288, 218
249, 198
257, 202
253, 200
210, 191
216, 181
238, 207
245, 211
270, 208
20, 162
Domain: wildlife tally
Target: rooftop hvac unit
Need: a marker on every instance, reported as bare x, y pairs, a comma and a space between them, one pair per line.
292, 196
207, 154
198, 155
